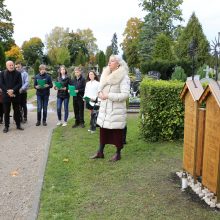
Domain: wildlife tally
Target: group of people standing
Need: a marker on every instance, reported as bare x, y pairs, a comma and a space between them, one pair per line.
106, 99
13, 91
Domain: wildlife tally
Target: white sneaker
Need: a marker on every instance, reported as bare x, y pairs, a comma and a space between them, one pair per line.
59, 123
92, 132
64, 124
89, 130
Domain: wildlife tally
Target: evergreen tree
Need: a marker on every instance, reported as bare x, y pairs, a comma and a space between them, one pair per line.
108, 53
162, 49
149, 32
193, 31
114, 44
101, 61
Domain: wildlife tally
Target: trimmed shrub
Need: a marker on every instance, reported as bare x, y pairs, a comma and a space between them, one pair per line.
179, 74
162, 112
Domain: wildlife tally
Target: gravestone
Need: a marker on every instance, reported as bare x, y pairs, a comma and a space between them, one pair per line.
154, 74
137, 74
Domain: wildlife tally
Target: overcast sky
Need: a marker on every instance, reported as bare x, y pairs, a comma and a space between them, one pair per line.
36, 18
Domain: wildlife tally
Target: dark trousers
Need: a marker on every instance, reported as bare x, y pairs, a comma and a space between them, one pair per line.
42, 103
93, 119
7, 109
23, 104
124, 134
78, 106
1, 112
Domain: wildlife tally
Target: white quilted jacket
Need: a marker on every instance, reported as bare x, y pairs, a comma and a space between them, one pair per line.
113, 112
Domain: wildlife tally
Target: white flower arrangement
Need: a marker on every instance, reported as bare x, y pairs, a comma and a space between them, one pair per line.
202, 192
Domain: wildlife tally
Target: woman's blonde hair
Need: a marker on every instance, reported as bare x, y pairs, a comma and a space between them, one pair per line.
120, 61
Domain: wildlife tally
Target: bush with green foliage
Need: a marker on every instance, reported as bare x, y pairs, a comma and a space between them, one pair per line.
2, 57
162, 111
166, 67
179, 74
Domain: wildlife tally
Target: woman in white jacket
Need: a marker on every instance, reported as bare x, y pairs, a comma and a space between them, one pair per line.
91, 97
113, 91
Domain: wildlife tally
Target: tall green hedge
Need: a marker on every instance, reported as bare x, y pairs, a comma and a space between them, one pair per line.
162, 112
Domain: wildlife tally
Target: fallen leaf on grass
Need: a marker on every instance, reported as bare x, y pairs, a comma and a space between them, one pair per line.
14, 173
66, 160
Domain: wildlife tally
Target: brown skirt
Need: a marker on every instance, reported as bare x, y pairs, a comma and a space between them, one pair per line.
111, 136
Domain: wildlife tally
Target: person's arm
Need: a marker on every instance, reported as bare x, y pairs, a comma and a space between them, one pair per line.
2, 82
124, 91
26, 82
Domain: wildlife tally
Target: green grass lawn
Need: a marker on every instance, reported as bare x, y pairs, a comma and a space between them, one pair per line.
143, 185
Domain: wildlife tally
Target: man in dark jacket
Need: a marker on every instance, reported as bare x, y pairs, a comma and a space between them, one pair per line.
10, 83
42, 84
78, 104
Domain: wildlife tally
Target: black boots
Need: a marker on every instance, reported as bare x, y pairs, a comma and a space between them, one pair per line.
97, 155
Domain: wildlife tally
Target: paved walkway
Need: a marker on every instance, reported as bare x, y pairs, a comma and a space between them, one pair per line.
23, 156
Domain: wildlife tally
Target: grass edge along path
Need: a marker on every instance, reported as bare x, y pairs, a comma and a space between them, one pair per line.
140, 186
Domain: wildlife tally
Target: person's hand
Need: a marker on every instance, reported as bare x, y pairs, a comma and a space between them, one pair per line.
46, 86
76, 91
11, 92
64, 88
55, 87
103, 95
37, 87
20, 90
